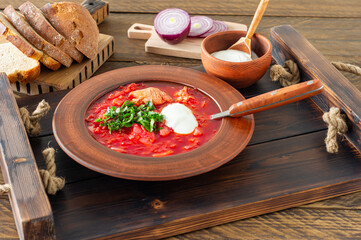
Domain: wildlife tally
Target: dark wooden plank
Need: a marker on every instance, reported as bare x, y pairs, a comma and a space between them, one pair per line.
293, 223
294, 171
339, 92
98, 9
335, 38
8, 226
30, 204
309, 8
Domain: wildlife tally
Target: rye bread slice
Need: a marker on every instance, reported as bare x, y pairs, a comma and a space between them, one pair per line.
75, 23
19, 22
16, 65
12, 35
42, 26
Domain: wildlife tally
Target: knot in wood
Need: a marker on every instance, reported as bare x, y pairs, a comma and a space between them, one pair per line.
51, 182
31, 122
336, 125
287, 74
157, 204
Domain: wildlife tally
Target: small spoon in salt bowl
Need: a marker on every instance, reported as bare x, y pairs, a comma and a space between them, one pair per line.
244, 43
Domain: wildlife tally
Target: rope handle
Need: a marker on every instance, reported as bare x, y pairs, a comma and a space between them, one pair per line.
289, 74
51, 182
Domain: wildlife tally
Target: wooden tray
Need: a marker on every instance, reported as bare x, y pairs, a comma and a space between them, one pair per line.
284, 165
66, 78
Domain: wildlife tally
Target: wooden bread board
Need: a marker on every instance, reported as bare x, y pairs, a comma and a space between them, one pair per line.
188, 48
65, 78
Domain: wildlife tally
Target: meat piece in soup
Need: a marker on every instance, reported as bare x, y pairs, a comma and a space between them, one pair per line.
150, 94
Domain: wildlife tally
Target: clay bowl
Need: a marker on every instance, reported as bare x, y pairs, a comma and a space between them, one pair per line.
73, 137
239, 75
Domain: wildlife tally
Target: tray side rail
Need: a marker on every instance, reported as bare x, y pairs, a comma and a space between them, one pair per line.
339, 92
30, 204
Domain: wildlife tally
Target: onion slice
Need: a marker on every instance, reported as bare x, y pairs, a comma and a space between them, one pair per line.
200, 25
218, 26
172, 25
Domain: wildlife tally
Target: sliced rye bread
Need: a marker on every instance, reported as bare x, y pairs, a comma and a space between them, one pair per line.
19, 22
16, 65
42, 26
75, 23
50, 62
12, 35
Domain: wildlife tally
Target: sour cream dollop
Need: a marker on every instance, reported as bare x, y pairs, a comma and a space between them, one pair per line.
179, 118
232, 55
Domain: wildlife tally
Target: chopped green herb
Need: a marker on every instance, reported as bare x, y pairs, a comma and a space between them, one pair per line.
116, 118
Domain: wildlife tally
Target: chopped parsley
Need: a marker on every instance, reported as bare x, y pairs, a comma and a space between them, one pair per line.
116, 118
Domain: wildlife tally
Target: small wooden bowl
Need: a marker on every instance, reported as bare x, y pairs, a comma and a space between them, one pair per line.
242, 74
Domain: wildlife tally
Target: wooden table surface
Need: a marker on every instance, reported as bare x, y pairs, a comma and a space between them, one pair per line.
332, 26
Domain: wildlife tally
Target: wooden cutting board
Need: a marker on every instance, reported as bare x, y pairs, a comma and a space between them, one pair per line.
65, 78
188, 48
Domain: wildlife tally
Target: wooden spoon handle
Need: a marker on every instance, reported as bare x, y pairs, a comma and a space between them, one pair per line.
276, 98
257, 18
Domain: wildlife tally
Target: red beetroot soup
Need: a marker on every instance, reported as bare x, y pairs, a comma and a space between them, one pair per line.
136, 140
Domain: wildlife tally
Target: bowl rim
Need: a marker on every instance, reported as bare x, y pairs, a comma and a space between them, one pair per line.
257, 35
69, 127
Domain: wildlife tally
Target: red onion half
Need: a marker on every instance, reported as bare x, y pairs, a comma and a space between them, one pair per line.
200, 25
218, 26
172, 25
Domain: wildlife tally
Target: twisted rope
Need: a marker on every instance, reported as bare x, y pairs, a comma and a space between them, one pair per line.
51, 182
289, 75
31, 122
336, 125
345, 67
4, 189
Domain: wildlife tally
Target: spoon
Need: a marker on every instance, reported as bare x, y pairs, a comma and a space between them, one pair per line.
244, 43
273, 99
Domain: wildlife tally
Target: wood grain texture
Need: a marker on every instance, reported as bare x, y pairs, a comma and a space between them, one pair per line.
249, 177
334, 38
339, 92
30, 204
279, 8
334, 30
293, 223
98, 9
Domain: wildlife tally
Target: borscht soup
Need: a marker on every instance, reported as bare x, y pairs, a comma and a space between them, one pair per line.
152, 119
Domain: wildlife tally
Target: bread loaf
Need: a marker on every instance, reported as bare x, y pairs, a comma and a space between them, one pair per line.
16, 65
75, 23
41, 25
29, 34
13, 36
